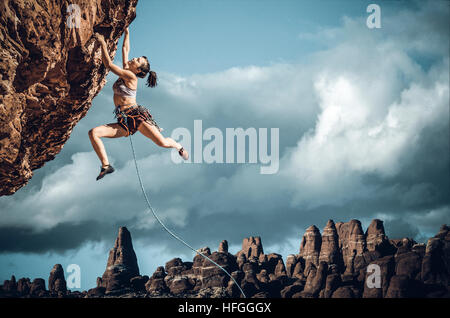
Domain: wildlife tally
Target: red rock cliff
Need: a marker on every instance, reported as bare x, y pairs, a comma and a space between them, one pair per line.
49, 74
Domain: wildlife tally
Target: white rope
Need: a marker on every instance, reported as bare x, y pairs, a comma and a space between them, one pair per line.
162, 224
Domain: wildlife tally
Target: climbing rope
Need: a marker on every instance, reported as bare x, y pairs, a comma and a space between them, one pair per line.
157, 218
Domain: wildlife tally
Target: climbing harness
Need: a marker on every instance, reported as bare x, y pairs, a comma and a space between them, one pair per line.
142, 112
160, 222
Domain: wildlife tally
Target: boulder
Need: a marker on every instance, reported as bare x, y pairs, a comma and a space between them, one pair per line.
197, 263
96, 292
56, 280
138, 283
179, 285
37, 287
289, 291
344, 292
156, 283
213, 276
24, 286
180, 275
176, 266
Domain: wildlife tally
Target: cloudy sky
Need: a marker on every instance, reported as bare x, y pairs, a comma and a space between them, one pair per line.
362, 114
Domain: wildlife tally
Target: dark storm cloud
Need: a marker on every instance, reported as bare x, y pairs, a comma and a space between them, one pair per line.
423, 181
59, 239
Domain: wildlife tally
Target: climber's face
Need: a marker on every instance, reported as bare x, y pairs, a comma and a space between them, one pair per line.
135, 63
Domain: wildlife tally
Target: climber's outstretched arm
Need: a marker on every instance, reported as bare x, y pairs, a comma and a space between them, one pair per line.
126, 74
125, 48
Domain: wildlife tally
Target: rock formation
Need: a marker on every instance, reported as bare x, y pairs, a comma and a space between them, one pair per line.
352, 243
310, 247
342, 262
122, 264
56, 281
251, 247
329, 250
375, 236
49, 74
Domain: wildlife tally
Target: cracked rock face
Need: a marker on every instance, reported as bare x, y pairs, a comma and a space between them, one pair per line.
49, 74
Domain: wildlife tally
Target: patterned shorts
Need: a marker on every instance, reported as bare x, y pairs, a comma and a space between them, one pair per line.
135, 115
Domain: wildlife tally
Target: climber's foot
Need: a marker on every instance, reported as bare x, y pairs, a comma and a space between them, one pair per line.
183, 153
105, 170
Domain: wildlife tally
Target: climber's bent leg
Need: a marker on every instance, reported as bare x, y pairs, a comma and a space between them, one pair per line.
113, 130
152, 132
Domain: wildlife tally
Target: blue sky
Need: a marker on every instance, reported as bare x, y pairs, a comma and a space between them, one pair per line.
362, 114
200, 36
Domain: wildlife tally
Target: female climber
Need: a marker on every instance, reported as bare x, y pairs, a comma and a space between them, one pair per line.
138, 117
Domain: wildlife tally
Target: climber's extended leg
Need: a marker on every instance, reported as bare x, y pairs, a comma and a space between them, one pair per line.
152, 132
112, 130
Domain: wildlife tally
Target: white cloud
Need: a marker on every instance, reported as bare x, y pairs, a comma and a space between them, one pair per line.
280, 92
71, 194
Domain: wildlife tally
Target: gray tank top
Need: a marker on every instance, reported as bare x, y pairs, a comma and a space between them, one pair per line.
121, 89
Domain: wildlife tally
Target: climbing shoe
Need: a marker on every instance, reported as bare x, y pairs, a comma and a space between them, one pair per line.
183, 153
105, 170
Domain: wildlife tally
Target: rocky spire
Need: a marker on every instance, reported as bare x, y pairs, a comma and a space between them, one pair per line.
122, 263
251, 247
352, 242
310, 246
223, 247
375, 235
329, 250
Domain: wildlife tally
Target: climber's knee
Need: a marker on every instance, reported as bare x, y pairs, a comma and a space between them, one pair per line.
93, 133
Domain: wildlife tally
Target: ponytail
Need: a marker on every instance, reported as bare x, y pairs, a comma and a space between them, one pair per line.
152, 79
